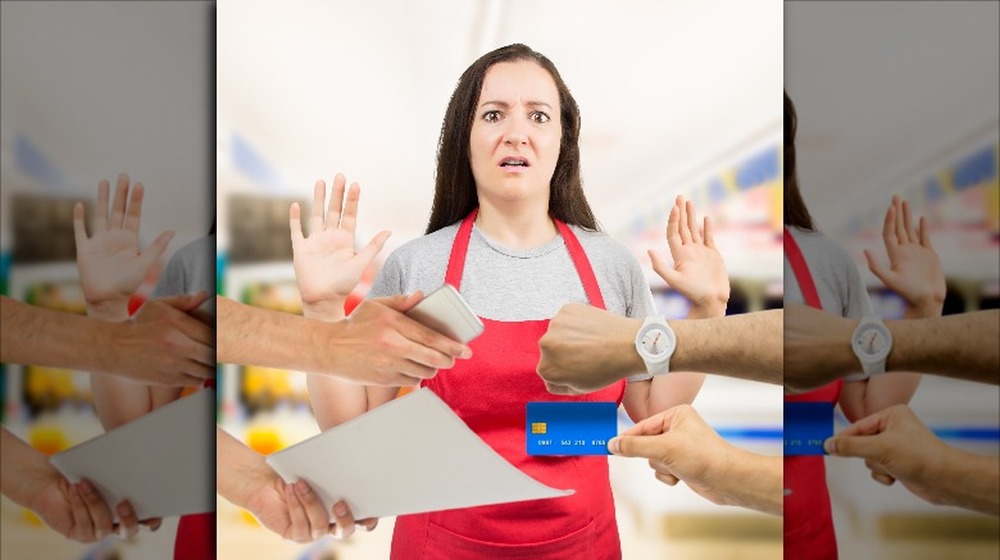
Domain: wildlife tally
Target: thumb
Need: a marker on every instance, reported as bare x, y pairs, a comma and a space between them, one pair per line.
852, 446
155, 249
370, 251
659, 266
402, 302
876, 267
634, 446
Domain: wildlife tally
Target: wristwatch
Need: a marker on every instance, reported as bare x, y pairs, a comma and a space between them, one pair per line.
655, 343
872, 343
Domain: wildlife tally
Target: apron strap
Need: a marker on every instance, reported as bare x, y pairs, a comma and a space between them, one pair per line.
582, 264
456, 262
801, 271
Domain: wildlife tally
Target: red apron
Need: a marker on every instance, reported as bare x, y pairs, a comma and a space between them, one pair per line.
195, 538
490, 392
809, 533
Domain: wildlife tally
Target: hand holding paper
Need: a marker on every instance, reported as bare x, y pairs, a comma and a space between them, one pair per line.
383, 463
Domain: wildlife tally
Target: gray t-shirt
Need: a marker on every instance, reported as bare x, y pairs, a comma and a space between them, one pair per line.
191, 269
838, 281
506, 284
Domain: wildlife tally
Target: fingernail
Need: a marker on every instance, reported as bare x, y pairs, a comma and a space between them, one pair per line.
466, 354
340, 510
830, 446
124, 509
86, 487
302, 488
613, 446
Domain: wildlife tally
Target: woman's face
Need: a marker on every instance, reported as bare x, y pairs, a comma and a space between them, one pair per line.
514, 142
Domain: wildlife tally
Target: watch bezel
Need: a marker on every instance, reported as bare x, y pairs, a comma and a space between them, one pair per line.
651, 324
879, 358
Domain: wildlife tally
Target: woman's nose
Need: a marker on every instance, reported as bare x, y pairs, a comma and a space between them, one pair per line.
516, 132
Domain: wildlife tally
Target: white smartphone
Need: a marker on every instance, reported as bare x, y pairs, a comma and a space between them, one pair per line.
445, 311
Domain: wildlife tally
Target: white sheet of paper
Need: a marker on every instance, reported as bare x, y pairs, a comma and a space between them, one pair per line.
161, 462
410, 455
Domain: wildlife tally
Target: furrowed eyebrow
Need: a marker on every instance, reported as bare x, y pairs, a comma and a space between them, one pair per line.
505, 105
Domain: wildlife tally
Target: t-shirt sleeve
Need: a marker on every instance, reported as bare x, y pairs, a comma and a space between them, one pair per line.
857, 303
173, 281
389, 281
640, 304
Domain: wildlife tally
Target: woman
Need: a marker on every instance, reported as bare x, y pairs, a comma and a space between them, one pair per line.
511, 229
820, 273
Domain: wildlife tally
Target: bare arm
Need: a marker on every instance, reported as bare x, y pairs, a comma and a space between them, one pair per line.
587, 348
388, 349
377, 345
112, 267
38, 336
699, 274
26, 471
915, 273
958, 346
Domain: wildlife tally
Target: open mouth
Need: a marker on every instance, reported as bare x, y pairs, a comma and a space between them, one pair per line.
514, 162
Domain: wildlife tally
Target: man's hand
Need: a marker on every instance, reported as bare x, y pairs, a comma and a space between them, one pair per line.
698, 272
895, 445
378, 345
679, 446
78, 512
586, 349
295, 512
163, 344
817, 348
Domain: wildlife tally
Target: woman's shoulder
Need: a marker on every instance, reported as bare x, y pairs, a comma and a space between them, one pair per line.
817, 246
608, 256
439, 241
602, 244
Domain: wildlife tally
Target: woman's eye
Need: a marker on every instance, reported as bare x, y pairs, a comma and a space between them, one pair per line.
539, 117
491, 116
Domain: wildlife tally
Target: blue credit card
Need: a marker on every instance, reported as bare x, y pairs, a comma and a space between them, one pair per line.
570, 428
807, 426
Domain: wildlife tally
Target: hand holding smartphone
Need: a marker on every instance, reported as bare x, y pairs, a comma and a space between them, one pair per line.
446, 312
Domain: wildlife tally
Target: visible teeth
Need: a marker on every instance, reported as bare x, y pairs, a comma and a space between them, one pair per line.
521, 163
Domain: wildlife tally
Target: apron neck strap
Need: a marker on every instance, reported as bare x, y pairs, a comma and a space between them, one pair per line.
801, 271
582, 264
456, 262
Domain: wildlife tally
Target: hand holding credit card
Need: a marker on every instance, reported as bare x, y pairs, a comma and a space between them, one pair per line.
807, 426
570, 428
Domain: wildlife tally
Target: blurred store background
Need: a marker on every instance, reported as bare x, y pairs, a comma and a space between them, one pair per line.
89, 90
902, 98
676, 97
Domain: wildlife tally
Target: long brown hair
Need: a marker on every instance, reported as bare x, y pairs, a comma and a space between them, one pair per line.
796, 213
454, 186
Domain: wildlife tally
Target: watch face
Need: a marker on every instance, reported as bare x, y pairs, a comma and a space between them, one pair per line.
871, 342
656, 342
